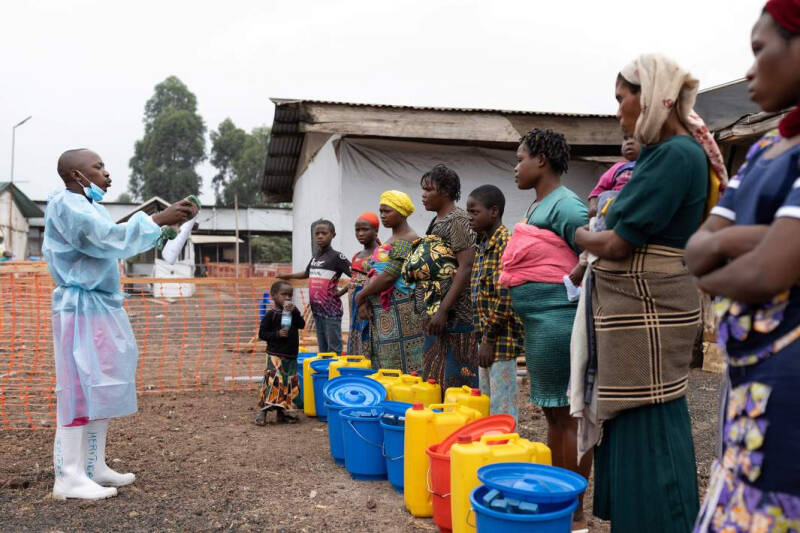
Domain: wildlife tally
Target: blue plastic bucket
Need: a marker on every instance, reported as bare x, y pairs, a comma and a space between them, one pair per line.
355, 371
319, 378
300, 358
363, 443
551, 518
335, 431
341, 393
393, 425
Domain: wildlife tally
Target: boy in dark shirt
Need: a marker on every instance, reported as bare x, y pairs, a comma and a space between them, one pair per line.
323, 273
279, 390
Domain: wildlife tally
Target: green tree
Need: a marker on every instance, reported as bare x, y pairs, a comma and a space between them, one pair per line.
124, 198
227, 142
271, 249
165, 159
239, 159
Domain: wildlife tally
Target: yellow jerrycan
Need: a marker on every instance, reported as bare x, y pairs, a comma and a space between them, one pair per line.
425, 427
309, 403
467, 458
468, 396
350, 361
387, 377
403, 390
427, 392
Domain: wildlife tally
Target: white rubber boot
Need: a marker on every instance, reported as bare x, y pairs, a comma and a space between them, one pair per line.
69, 465
96, 467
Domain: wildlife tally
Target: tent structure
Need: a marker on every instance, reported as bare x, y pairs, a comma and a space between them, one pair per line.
332, 160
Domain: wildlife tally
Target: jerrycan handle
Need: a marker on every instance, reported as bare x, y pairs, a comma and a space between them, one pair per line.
354, 358
507, 437
389, 372
410, 379
444, 406
466, 388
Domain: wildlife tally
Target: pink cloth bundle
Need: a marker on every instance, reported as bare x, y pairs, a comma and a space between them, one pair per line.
535, 255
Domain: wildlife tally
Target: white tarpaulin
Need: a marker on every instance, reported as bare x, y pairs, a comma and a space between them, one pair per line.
347, 176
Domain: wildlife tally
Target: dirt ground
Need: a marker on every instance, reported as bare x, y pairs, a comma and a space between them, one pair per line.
202, 465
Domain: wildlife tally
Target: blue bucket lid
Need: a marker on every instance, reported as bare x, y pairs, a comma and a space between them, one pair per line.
354, 391
305, 355
532, 482
362, 412
321, 365
396, 409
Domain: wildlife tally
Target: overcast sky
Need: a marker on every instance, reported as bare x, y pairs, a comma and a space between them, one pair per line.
84, 68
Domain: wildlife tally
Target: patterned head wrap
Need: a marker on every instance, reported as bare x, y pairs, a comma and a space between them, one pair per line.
666, 85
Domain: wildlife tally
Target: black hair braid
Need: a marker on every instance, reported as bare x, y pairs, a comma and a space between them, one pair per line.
445, 180
551, 144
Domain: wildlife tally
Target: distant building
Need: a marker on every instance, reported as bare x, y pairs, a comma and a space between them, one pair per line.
17, 211
736, 121
332, 160
214, 237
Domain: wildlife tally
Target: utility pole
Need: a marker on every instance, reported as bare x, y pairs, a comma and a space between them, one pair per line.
13, 142
236, 222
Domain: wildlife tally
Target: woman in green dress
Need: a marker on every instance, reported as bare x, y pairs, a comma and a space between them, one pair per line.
645, 306
545, 310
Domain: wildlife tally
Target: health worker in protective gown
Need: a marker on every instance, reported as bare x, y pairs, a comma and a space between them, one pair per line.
94, 347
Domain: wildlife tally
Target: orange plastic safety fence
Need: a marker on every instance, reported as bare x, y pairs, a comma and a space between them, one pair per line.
203, 336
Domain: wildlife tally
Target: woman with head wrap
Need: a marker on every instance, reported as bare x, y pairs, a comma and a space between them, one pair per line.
386, 300
747, 254
358, 341
645, 309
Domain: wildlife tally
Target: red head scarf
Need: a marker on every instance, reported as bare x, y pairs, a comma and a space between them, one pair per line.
370, 217
787, 14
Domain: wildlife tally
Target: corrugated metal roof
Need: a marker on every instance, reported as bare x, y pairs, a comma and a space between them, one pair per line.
281, 101
286, 141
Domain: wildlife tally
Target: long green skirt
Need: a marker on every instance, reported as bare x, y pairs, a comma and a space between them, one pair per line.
547, 316
645, 475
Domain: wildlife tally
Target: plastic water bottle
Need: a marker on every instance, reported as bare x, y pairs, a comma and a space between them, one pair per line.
286, 319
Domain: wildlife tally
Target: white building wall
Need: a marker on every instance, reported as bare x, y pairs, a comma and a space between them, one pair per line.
16, 234
317, 194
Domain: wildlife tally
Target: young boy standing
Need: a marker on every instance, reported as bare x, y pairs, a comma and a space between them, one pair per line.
280, 388
323, 273
500, 331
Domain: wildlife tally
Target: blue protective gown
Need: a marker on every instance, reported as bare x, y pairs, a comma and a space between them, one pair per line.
93, 343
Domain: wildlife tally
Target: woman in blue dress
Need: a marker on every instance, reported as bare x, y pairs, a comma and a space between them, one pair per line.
747, 254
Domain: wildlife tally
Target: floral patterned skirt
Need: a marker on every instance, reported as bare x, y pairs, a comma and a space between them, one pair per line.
756, 484
280, 387
452, 357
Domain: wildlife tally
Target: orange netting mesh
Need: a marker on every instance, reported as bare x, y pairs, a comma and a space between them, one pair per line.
205, 337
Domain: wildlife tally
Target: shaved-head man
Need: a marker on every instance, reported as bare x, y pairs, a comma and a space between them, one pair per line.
94, 347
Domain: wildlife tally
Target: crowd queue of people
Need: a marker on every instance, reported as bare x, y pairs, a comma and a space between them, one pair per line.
603, 301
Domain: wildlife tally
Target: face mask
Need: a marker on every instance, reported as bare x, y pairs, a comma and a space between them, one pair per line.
93, 192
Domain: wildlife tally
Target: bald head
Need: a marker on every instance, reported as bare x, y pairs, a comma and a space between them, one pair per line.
77, 159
